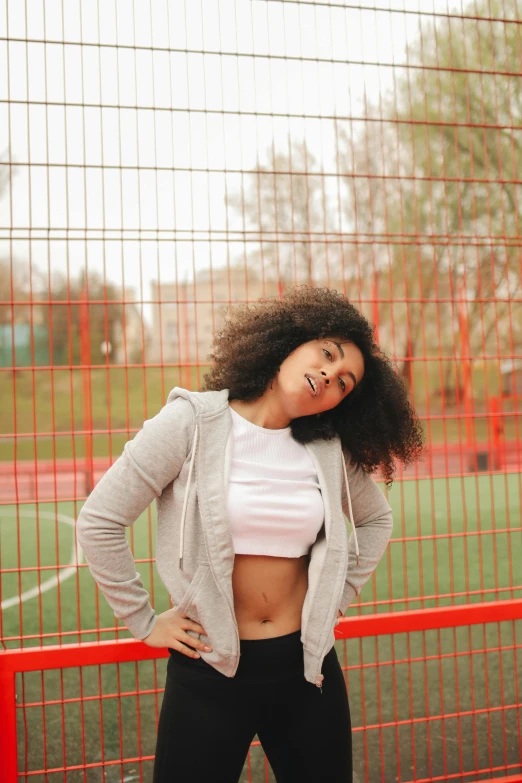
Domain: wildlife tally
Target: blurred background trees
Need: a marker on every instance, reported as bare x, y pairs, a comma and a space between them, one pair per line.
422, 202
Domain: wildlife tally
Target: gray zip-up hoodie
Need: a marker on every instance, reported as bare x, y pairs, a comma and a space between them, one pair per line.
181, 457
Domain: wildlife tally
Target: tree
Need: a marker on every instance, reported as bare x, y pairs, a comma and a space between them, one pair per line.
62, 316
437, 178
430, 191
15, 281
14, 286
283, 203
62, 321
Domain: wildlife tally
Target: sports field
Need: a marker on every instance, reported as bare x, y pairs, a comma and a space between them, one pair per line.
467, 556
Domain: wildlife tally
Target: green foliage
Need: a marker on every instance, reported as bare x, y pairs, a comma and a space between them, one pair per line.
63, 317
428, 185
122, 398
435, 173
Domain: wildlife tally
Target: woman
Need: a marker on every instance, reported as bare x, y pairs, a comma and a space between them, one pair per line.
251, 477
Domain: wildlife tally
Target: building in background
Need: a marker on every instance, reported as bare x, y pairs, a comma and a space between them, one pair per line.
132, 333
30, 343
511, 373
185, 315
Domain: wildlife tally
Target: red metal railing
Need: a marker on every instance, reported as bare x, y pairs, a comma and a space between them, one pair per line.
13, 662
34, 481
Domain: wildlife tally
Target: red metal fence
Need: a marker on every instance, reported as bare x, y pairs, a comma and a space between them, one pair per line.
373, 626
159, 161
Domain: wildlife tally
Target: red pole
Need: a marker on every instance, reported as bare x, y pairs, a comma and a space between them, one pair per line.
85, 360
496, 427
466, 366
185, 339
8, 741
375, 307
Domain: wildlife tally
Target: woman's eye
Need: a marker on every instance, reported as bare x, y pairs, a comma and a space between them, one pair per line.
343, 385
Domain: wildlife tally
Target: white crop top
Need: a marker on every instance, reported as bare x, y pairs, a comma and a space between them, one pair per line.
274, 502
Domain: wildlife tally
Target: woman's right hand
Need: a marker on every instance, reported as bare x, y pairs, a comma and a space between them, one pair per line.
169, 631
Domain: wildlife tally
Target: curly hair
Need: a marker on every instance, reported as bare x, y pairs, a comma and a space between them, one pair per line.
376, 422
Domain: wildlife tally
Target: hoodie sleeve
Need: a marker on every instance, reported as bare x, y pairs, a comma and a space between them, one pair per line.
149, 462
372, 517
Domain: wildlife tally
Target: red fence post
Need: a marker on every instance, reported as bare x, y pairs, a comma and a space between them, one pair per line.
8, 742
85, 352
124, 650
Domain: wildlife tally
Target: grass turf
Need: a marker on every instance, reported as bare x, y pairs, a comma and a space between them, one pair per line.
400, 688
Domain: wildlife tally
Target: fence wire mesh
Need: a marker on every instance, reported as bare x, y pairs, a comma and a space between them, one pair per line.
162, 160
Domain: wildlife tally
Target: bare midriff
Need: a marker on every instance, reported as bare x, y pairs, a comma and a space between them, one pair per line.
269, 593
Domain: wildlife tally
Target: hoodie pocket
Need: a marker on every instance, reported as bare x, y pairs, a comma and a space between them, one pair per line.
204, 603
187, 602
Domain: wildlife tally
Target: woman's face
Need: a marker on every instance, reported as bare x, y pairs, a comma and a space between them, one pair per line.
318, 375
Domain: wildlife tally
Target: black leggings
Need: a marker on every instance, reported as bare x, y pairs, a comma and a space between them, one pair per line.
208, 720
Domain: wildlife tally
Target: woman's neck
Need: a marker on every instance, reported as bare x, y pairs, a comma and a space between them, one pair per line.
262, 412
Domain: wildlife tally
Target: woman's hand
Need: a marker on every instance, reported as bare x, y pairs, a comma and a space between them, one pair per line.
169, 631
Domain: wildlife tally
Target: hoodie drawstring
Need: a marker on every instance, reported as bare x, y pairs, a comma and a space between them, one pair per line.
185, 500
350, 511
181, 536
320, 677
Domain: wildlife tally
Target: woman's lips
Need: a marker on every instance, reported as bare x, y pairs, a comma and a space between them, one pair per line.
318, 385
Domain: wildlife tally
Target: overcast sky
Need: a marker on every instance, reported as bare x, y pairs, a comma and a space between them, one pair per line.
201, 85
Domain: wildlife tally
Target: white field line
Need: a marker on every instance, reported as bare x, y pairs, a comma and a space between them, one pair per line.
64, 573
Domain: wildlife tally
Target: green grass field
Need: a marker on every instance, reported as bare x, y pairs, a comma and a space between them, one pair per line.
450, 564
122, 398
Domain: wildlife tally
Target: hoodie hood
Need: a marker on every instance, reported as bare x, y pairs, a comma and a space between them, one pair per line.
209, 402
202, 402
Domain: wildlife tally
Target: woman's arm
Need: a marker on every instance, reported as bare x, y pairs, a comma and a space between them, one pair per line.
373, 520
147, 465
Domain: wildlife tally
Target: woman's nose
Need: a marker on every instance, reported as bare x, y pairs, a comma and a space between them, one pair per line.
326, 378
